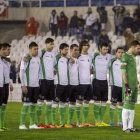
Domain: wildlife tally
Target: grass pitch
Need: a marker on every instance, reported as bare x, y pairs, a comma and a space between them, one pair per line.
102, 133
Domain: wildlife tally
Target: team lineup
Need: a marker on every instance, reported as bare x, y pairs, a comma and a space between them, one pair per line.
57, 79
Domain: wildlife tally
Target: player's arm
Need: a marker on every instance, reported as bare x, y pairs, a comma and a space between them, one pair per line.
124, 74
22, 77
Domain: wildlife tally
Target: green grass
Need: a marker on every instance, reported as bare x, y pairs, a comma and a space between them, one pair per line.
102, 133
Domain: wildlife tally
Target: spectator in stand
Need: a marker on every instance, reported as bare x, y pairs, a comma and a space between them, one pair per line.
137, 12
127, 22
81, 21
89, 18
103, 38
87, 34
136, 24
117, 10
129, 37
96, 30
103, 16
74, 24
32, 26
13, 71
80, 32
119, 29
54, 23
138, 36
62, 24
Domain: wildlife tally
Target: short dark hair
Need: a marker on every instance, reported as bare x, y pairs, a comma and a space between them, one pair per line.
32, 44
63, 45
134, 43
6, 45
49, 40
83, 43
104, 44
119, 48
73, 45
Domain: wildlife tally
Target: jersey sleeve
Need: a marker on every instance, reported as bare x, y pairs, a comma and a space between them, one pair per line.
39, 54
23, 65
124, 62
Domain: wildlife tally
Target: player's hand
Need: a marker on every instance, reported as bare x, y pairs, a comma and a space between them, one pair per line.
11, 88
24, 89
54, 72
25, 59
128, 91
72, 60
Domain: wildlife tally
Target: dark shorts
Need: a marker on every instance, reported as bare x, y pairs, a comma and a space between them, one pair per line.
73, 93
100, 90
46, 90
61, 93
31, 96
6, 93
1, 95
85, 92
116, 94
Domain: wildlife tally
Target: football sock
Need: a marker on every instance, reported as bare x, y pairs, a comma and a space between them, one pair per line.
111, 112
70, 113
39, 112
97, 111
53, 113
119, 111
48, 113
32, 114
3, 114
24, 112
62, 111
102, 111
85, 112
78, 110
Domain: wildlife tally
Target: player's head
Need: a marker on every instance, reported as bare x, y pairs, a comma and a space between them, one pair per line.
64, 48
74, 50
7, 49
84, 46
135, 47
119, 52
104, 48
2, 50
49, 44
33, 48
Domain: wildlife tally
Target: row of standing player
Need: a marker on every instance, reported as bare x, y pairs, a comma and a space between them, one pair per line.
73, 84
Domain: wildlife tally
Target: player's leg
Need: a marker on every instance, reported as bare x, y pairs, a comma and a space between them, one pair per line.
25, 107
87, 98
63, 104
40, 103
1, 102
120, 106
5, 100
49, 98
129, 109
97, 102
104, 98
113, 104
72, 102
33, 98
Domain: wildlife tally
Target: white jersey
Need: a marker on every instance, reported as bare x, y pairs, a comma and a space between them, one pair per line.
73, 72
6, 71
101, 65
47, 64
115, 72
85, 64
61, 67
31, 72
1, 73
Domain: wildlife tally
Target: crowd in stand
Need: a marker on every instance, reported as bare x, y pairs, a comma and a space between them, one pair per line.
90, 27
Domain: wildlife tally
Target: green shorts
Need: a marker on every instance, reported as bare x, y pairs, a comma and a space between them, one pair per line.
133, 97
